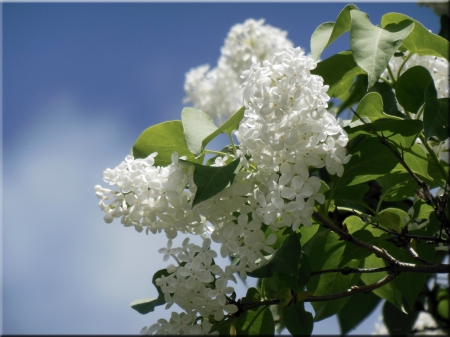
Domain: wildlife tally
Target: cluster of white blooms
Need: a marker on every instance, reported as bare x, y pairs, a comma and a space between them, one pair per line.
438, 68
216, 91
196, 285
150, 196
287, 130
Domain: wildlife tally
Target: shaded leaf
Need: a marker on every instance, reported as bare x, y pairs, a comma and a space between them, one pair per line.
326, 252
356, 310
299, 322
285, 260
389, 291
411, 86
402, 133
398, 322
373, 46
436, 119
370, 160
339, 72
147, 305
257, 321
212, 180
165, 138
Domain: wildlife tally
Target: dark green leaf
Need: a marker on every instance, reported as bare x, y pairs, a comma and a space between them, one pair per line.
397, 186
389, 291
327, 32
326, 252
373, 46
165, 138
436, 118
285, 260
356, 93
356, 310
147, 305
389, 100
339, 72
212, 180
197, 126
410, 88
416, 159
398, 322
402, 133
299, 322
370, 160
257, 321
420, 40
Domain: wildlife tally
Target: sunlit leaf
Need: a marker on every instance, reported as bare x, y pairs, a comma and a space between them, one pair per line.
165, 138
197, 126
373, 46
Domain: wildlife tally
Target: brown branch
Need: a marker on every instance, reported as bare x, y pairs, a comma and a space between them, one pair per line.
405, 235
345, 235
437, 203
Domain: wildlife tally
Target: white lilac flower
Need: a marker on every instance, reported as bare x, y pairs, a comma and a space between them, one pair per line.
150, 197
217, 91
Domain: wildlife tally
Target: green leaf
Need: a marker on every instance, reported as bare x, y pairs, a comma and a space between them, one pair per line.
229, 125
326, 252
397, 322
389, 101
443, 307
327, 32
416, 159
356, 310
410, 284
257, 321
307, 233
436, 119
370, 160
197, 126
355, 192
420, 40
299, 322
389, 291
371, 108
147, 305
165, 138
410, 88
285, 260
252, 296
339, 72
393, 218
397, 186
422, 210
401, 133
354, 252
356, 93
212, 180
373, 46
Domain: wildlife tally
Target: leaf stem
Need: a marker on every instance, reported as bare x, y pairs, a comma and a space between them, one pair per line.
232, 141
403, 63
391, 75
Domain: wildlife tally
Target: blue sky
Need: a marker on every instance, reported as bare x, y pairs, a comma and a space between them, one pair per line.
80, 83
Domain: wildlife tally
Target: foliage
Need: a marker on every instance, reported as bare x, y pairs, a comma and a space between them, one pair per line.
361, 218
